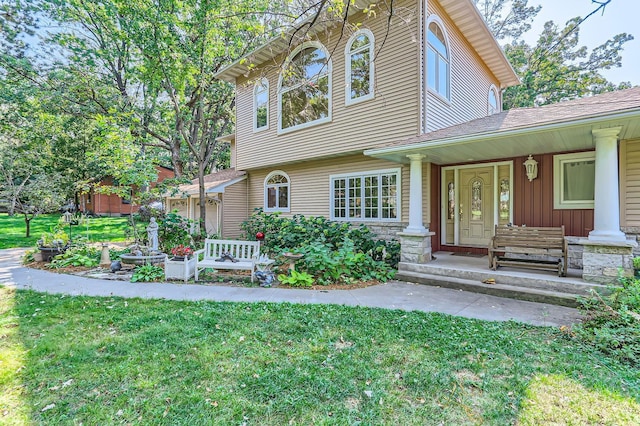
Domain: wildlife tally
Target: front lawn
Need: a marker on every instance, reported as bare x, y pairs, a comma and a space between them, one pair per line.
96, 229
84, 360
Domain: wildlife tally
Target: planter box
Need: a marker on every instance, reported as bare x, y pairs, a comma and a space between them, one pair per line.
179, 269
48, 253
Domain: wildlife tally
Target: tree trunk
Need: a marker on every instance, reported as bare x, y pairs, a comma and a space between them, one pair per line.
176, 161
203, 201
27, 221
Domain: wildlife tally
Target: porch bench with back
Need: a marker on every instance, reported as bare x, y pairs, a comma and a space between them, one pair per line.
228, 254
529, 247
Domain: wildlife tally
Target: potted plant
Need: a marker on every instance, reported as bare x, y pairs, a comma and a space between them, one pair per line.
180, 252
53, 243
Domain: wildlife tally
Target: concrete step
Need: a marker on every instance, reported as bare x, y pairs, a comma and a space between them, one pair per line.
513, 278
501, 290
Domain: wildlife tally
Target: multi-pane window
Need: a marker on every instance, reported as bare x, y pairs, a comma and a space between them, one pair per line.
276, 192
359, 67
437, 61
261, 105
574, 177
305, 88
370, 196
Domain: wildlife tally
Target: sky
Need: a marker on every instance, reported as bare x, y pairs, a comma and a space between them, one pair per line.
620, 16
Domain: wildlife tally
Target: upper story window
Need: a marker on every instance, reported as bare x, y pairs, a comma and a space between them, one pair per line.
304, 95
276, 192
359, 67
261, 105
437, 60
493, 103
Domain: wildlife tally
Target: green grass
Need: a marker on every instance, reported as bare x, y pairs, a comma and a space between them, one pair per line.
99, 229
83, 360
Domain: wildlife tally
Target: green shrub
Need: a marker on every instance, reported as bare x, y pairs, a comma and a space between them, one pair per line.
612, 323
174, 230
288, 234
296, 279
147, 273
78, 255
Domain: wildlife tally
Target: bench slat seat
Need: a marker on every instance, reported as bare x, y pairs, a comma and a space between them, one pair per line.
245, 254
547, 243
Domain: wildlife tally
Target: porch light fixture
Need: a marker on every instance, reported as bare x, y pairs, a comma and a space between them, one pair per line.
531, 166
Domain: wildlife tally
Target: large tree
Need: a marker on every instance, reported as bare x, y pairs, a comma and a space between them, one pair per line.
557, 67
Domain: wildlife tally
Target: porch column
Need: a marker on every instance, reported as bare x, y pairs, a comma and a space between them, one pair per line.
606, 213
415, 239
416, 225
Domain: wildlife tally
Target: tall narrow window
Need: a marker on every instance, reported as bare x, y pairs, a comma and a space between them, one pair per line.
304, 95
276, 192
359, 67
437, 60
493, 101
261, 105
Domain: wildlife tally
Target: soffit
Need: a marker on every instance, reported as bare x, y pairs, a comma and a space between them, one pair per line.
471, 24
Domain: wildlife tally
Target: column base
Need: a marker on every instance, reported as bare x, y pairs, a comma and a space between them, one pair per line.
415, 247
604, 261
607, 236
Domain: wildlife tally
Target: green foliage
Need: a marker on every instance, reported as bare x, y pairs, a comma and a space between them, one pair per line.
56, 237
612, 323
78, 255
289, 234
174, 230
147, 273
334, 252
636, 263
296, 279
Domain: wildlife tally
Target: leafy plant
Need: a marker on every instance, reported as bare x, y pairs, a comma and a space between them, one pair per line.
612, 322
174, 231
78, 255
56, 237
296, 279
636, 263
147, 273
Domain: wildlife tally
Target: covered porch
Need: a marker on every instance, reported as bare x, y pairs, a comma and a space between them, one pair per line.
489, 156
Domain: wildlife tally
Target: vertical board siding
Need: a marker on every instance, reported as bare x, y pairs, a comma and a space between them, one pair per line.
392, 115
469, 84
630, 183
310, 185
234, 209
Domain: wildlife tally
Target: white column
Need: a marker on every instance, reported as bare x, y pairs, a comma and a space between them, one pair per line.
415, 196
606, 214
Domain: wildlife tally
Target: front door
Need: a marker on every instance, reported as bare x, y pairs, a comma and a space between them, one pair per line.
476, 206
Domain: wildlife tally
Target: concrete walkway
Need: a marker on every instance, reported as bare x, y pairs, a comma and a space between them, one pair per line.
392, 295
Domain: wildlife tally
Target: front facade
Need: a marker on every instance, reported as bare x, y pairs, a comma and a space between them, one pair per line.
398, 125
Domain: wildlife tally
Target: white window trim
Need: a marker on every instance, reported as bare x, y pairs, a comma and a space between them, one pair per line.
496, 92
266, 194
396, 171
347, 61
327, 119
558, 179
262, 82
435, 18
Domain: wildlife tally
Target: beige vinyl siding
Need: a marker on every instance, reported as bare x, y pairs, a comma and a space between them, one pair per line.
392, 115
469, 84
310, 192
234, 209
630, 183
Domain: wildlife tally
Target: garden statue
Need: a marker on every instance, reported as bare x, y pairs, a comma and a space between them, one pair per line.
152, 234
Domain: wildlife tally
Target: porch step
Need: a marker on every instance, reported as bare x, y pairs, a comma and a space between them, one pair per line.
500, 290
534, 287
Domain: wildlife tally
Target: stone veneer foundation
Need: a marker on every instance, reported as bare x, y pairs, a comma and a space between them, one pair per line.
603, 262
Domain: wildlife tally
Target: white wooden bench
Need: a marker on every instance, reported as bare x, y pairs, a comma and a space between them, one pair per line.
244, 254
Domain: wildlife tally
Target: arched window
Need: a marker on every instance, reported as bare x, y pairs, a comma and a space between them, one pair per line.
359, 67
493, 101
261, 105
304, 95
276, 192
437, 60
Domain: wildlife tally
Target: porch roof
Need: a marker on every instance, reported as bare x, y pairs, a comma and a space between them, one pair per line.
213, 182
564, 126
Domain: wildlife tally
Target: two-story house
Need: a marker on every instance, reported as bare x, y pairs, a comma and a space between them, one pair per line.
398, 124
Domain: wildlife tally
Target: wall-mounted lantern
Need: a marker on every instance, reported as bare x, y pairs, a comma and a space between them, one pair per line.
531, 167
